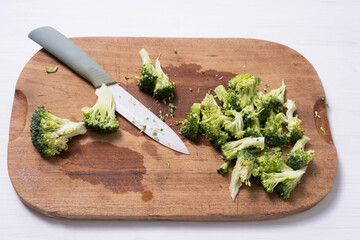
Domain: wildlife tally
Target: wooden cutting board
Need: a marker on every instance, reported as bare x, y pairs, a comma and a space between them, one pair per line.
125, 175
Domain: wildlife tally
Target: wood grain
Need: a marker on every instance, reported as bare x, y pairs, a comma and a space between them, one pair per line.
125, 175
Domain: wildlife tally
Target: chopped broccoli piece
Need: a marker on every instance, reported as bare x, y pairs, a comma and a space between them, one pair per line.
274, 134
224, 167
190, 127
283, 182
101, 117
50, 134
235, 125
245, 86
292, 123
51, 69
149, 76
172, 109
164, 89
251, 122
230, 149
230, 99
298, 157
268, 103
209, 101
245, 165
267, 163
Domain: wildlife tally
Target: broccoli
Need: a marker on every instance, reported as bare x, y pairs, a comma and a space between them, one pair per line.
149, 75
268, 103
209, 102
212, 122
235, 125
224, 167
50, 134
101, 117
292, 123
164, 89
274, 134
267, 163
245, 86
251, 122
190, 127
229, 99
298, 157
283, 182
230, 149
245, 165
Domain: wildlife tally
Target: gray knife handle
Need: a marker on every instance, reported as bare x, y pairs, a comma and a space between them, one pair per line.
71, 55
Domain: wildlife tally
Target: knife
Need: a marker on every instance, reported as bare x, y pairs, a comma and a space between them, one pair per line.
126, 105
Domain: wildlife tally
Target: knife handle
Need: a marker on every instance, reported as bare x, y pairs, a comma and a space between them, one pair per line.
71, 55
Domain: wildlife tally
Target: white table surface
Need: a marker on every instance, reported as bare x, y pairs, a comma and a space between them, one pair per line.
327, 33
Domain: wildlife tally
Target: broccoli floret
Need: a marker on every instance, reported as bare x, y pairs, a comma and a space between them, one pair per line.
211, 124
268, 103
230, 149
292, 123
223, 168
149, 76
229, 99
251, 122
190, 127
298, 157
283, 182
101, 117
164, 89
274, 134
209, 102
245, 86
267, 163
235, 124
50, 134
245, 165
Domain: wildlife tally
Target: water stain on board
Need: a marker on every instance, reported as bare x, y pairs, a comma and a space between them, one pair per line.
147, 196
119, 169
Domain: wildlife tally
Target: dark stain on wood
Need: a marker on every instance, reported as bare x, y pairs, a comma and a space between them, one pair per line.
119, 169
147, 196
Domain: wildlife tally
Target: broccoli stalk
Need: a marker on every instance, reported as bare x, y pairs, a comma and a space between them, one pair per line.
101, 117
283, 182
231, 149
235, 125
50, 134
245, 86
268, 103
164, 89
149, 76
245, 165
298, 157
229, 99
292, 123
224, 167
190, 127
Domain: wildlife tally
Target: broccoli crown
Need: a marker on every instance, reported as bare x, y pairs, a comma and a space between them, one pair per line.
251, 122
190, 127
234, 125
231, 149
50, 134
284, 182
209, 102
164, 89
216, 135
211, 124
101, 117
245, 86
268, 103
298, 158
267, 163
274, 134
223, 168
229, 99
245, 165
149, 76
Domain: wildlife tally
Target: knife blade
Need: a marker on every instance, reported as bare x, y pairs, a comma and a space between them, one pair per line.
126, 105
